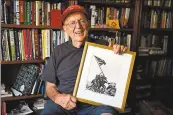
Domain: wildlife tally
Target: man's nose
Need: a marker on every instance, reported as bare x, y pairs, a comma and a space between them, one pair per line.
78, 24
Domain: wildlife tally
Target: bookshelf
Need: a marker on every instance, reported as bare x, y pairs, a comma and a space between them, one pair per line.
24, 28
111, 29
22, 62
156, 30
106, 3
155, 68
157, 7
21, 97
27, 26
58, 28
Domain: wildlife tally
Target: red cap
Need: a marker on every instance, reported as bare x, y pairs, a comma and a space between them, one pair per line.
73, 8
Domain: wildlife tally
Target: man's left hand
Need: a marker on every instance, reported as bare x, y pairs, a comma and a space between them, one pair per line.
118, 49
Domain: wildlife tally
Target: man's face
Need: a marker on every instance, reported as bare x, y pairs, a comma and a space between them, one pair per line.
76, 26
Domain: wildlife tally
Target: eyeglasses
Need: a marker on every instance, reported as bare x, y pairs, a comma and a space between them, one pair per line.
72, 24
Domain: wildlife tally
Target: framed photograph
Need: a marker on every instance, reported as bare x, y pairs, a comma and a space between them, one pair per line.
103, 76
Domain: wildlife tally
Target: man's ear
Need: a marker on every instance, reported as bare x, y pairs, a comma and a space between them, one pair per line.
64, 28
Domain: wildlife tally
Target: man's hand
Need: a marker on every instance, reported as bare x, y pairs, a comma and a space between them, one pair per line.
67, 101
118, 49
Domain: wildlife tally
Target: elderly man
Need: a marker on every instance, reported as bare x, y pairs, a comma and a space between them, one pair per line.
62, 68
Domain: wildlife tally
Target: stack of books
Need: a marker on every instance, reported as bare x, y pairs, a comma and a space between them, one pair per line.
4, 92
39, 104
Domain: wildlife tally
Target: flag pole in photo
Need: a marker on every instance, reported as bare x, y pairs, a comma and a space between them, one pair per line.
100, 62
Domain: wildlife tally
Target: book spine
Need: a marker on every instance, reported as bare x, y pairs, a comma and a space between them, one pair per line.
93, 15
17, 13
25, 12
21, 11
16, 40
28, 12
33, 43
12, 45
37, 12
48, 43
2, 12
48, 14
43, 12
33, 13
36, 43
3, 108
25, 44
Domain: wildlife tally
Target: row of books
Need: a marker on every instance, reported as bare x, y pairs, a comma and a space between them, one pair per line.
116, 1
29, 44
30, 12
119, 38
27, 82
23, 107
155, 69
154, 107
144, 91
141, 71
157, 19
166, 3
72, 2
152, 77
122, 15
153, 45
161, 68
114, 17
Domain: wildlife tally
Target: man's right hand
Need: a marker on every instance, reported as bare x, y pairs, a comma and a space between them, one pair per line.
67, 101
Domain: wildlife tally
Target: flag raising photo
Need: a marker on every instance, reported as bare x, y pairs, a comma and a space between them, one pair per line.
100, 61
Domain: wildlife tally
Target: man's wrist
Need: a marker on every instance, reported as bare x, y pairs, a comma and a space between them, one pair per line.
55, 96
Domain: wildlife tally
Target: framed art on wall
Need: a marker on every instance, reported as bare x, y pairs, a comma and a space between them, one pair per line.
103, 76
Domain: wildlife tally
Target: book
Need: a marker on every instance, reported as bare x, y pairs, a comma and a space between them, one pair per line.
26, 78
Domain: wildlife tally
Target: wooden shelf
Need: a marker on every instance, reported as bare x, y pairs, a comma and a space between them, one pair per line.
104, 3
111, 29
160, 78
27, 26
20, 97
156, 30
22, 62
157, 7
153, 57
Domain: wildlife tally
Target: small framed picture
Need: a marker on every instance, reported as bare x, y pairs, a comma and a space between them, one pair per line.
103, 76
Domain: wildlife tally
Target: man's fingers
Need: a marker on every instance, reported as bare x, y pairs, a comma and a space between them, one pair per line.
125, 49
73, 99
110, 44
115, 48
122, 49
118, 49
72, 104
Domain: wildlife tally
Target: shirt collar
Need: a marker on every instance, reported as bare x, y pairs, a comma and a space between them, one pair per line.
82, 46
